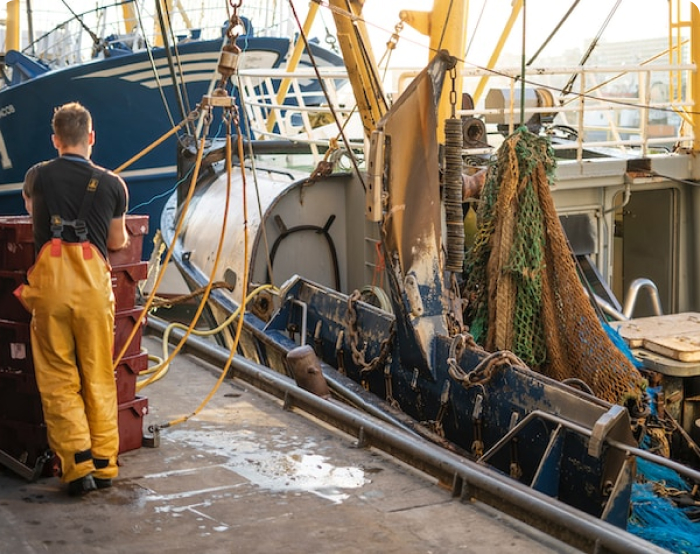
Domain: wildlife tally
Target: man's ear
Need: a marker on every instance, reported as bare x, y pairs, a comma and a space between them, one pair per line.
56, 142
91, 138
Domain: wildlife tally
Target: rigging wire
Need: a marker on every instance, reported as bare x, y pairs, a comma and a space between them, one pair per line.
169, 54
592, 46
444, 27
154, 68
553, 33
181, 82
476, 28
347, 143
98, 44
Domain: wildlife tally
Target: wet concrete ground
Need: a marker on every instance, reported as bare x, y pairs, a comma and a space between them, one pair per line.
247, 476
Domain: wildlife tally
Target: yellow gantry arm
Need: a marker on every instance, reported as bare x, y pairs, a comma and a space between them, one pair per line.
359, 61
695, 86
515, 12
446, 27
293, 63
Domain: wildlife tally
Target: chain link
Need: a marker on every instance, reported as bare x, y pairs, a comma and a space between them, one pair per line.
389, 386
485, 369
358, 356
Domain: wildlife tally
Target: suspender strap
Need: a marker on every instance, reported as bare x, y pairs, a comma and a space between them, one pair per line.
56, 231
79, 224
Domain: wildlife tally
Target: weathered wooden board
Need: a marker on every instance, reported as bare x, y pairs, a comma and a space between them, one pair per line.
637, 331
685, 347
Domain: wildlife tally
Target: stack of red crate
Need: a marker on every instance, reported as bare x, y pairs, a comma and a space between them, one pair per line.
22, 428
127, 271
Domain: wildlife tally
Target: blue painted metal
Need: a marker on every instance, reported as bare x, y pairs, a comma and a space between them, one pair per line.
552, 460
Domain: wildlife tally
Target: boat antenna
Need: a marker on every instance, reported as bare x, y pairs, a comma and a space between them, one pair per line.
567, 89
98, 44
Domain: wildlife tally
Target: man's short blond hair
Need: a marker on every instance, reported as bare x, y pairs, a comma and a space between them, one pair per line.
72, 124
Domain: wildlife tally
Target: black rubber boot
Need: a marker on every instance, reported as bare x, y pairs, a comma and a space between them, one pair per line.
102, 483
81, 486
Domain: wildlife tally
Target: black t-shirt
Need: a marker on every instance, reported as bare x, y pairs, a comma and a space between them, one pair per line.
62, 183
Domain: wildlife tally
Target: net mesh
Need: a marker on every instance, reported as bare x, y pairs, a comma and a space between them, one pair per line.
522, 285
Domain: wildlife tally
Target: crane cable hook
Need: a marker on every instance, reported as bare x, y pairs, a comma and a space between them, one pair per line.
228, 62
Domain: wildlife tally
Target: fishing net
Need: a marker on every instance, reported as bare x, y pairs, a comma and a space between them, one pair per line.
523, 291
664, 509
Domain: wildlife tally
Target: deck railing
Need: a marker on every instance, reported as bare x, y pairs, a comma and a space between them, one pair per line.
304, 115
621, 108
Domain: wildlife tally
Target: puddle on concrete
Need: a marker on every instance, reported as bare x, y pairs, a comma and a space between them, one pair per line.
296, 469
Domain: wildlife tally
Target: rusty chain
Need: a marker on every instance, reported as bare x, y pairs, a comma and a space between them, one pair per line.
485, 369
358, 356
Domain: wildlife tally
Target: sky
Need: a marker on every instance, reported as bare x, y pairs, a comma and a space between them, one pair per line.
633, 19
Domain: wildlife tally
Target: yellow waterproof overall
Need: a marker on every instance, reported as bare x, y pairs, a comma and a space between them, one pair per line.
69, 294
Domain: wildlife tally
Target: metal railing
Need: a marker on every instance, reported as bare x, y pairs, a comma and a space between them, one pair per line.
304, 114
618, 107
601, 112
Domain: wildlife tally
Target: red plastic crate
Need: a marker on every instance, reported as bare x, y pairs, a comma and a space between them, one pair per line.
131, 423
15, 347
125, 279
20, 405
18, 380
10, 306
27, 443
124, 322
16, 242
126, 375
136, 227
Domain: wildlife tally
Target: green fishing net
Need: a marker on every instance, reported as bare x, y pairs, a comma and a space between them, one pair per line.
522, 287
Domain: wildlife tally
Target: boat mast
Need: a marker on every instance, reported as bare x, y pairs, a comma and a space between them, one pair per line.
30, 25
12, 26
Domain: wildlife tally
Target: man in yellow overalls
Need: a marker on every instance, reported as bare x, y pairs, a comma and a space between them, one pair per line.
78, 211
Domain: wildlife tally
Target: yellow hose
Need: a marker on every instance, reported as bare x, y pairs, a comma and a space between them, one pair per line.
159, 370
246, 264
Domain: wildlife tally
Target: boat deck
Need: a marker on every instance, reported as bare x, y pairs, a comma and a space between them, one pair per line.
247, 475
